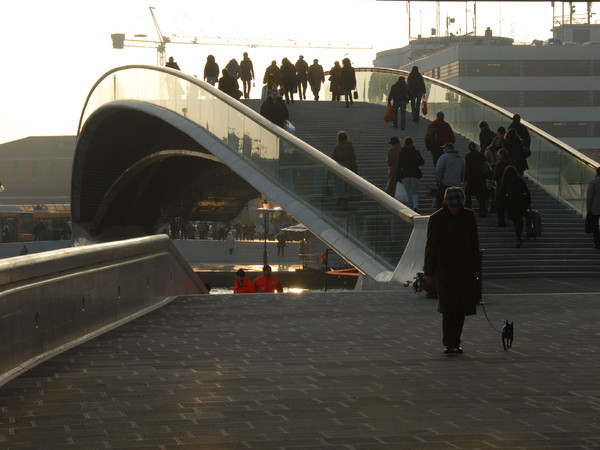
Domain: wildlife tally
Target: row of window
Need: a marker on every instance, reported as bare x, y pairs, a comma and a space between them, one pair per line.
514, 68
570, 129
538, 99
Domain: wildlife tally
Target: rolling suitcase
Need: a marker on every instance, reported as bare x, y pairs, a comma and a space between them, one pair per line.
533, 223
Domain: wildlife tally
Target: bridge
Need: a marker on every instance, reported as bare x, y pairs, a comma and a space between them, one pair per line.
113, 343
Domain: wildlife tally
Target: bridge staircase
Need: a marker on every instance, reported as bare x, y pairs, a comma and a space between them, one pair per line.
563, 249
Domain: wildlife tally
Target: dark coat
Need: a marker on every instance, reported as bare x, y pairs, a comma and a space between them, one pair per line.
485, 137
475, 181
416, 84
409, 161
348, 79
515, 148
344, 154
288, 75
276, 112
452, 258
515, 205
502, 164
522, 132
316, 75
335, 76
230, 85
398, 93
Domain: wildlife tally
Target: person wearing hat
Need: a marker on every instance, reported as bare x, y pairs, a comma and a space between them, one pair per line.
275, 109
392, 162
266, 282
242, 284
452, 262
449, 171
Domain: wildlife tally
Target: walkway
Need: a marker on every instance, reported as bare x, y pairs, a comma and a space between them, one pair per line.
345, 370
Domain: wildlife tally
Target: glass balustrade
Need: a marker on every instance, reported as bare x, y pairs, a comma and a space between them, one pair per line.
345, 201
557, 168
341, 199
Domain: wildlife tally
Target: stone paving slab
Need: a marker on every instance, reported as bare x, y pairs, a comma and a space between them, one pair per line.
335, 370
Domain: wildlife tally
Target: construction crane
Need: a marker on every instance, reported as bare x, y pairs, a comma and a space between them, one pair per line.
119, 42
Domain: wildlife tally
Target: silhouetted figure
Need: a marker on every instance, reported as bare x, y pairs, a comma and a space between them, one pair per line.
289, 79
247, 69
335, 79
229, 85
416, 91
316, 76
211, 70
274, 109
172, 64
302, 76
348, 81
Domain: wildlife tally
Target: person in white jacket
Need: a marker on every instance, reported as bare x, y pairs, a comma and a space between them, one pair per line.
449, 171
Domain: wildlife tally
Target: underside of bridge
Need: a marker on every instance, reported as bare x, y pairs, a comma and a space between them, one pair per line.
134, 173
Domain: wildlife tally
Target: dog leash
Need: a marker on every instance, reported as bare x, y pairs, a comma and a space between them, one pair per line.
486, 316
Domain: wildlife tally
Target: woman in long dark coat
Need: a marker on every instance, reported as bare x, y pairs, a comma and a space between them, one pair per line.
453, 261
516, 149
289, 79
348, 81
335, 78
517, 200
344, 154
475, 179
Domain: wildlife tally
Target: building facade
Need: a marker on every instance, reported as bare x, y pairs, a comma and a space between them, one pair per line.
553, 84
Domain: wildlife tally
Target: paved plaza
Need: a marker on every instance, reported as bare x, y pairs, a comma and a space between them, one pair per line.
337, 370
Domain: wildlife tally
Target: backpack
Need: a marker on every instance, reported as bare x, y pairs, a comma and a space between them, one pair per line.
432, 139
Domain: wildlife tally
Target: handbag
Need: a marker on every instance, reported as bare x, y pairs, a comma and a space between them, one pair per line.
589, 222
401, 195
424, 106
389, 114
355, 95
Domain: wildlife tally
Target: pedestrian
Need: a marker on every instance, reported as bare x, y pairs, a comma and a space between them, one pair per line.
335, 81
266, 282
348, 81
516, 150
234, 68
592, 201
476, 172
517, 200
302, 76
289, 79
409, 172
344, 154
274, 109
230, 242
247, 74
242, 284
316, 77
485, 135
416, 90
439, 133
272, 74
24, 250
453, 263
229, 85
398, 98
521, 130
211, 70
172, 64
392, 162
449, 171
281, 241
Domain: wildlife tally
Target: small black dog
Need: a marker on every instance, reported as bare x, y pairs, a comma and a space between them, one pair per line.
507, 330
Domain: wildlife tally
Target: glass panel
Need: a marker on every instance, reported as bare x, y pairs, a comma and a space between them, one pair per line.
364, 219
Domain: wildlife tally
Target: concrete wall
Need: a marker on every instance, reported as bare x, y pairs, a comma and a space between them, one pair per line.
54, 300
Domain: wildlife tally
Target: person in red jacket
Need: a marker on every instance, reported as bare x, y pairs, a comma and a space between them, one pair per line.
439, 133
267, 283
242, 284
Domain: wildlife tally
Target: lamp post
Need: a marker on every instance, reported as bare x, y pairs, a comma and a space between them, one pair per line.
265, 212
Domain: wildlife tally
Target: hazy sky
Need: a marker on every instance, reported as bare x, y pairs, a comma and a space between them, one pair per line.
55, 51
